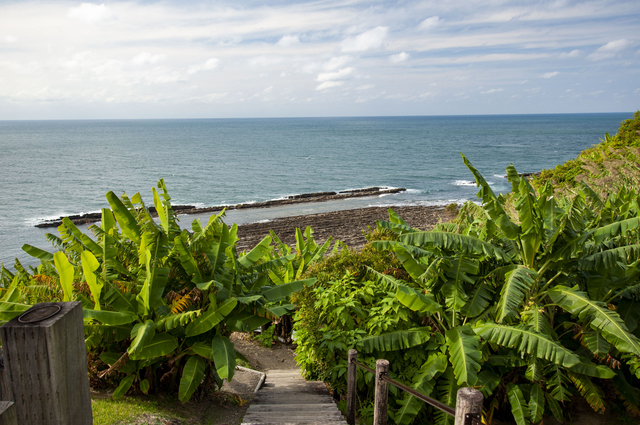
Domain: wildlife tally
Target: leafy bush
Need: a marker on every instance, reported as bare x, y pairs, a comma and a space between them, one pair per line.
533, 310
159, 302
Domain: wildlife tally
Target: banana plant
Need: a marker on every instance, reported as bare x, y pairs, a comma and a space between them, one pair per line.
159, 302
514, 284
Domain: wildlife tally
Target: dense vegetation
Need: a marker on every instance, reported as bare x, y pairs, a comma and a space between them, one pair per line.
532, 309
532, 297
606, 166
159, 302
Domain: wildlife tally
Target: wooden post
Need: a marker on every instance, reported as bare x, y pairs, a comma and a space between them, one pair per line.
351, 387
8, 413
4, 386
380, 405
468, 406
46, 365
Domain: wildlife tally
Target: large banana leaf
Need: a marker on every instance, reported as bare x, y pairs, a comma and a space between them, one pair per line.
517, 284
447, 393
597, 371
211, 317
186, 259
518, 404
611, 258
410, 264
527, 341
127, 222
397, 340
66, 272
281, 292
462, 244
614, 229
86, 240
492, 205
478, 301
589, 391
192, 375
160, 345
394, 227
424, 383
112, 318
89, 266
536, 404
124, 386
203, 349
259, 251
224, 356
416, 301
38, 253
161, 209
144, 335
601, 318
465, 355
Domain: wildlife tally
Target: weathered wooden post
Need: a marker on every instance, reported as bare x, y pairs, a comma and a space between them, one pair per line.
468, 406
46, 365
8, 414
381, 394
351, 387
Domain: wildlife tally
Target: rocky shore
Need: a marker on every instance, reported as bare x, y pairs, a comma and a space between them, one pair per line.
345, 225
190, 209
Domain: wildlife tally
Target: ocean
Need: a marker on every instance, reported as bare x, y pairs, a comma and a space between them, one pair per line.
50, 169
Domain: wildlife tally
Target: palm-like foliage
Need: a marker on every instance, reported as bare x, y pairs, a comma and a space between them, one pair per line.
158, 301
530, 298
530, 282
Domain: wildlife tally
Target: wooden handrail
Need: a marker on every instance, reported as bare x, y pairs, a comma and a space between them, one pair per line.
468, 403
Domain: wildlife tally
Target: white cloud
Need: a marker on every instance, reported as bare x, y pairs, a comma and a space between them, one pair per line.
288, 41
146, 58
368, 40
610, 49
339, 75
329, 84
90, 13
572, 54
400, 57
550, 74
10, 39
207, 66
336, 62
492, 91
211, 64
429, 23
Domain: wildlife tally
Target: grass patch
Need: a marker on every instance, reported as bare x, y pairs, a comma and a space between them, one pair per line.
151, 410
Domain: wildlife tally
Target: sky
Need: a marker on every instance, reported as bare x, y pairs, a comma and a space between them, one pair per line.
225, 59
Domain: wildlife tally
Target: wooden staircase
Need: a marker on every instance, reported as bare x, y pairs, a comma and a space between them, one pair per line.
287, 399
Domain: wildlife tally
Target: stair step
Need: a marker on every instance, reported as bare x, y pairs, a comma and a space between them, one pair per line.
287, 399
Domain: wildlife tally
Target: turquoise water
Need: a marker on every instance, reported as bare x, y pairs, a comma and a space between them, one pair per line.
54, 168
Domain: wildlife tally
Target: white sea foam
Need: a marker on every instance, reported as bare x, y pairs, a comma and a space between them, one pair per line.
464, 183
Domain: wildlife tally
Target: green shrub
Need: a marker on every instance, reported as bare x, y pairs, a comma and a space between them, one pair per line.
533, 309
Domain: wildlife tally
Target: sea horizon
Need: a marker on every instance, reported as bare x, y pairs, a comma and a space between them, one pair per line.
53, 168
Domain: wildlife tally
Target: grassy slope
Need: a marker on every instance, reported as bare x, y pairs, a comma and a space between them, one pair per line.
605, 166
